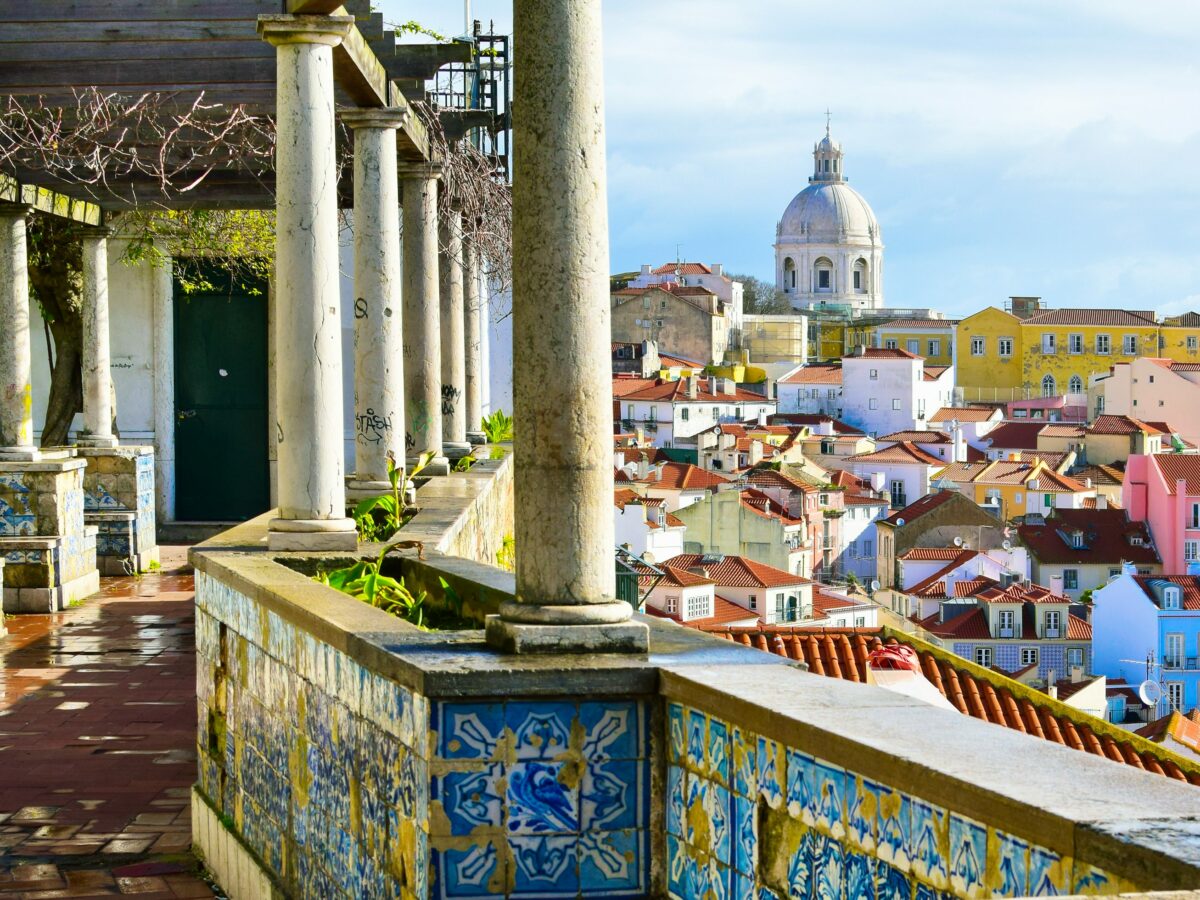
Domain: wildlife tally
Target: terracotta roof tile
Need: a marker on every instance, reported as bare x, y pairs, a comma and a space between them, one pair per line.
903, 452
1060, 430
917, 324
1117, 317
1106, 538
683, 476
926, 504
1175, 467
737, 571
965, 414
933, 373
1189, 586
981, 693
683, 268
917, 437
680, 577
814, 373
657, 390
937, 554
1015, 435
1100, 475
1121, 425
882, 353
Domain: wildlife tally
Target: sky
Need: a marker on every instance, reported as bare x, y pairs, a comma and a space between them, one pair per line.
1018, 147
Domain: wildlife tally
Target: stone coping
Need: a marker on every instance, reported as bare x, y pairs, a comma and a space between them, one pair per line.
109, 515
1139, 824
61, 464
129, 450
30, 542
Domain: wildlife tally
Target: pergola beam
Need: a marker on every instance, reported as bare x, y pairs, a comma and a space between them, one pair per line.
50, 202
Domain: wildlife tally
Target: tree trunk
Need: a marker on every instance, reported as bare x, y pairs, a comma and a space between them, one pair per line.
66, 380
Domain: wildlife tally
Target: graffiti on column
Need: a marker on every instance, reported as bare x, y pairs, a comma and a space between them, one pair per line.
360, 308
450, 395
418, 417
372, 428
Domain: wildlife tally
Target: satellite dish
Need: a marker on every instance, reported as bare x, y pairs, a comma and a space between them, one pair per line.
900, 523
1150, 692
958, 542
874, 584
1007, 544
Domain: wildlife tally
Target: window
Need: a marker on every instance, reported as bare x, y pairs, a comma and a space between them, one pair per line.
645, 303
824, 272
1194, 521
873, 403
852, 550
898, 495
789, 274
978, 346
1116, 709
697, 607
891, 344
658, 322
1193, 343
1171, 597
868, 548
1048, 501
1175, 694
860, 621
1048, 343
1075, 343
874, 374
663, 305
1029, 656
672, 604
753, 601
1005, 620
914, 347
1049, 388
1173, 651
934, 347
1005, 345
895, 403
684, 413
858, 279
983, 657
1070, 579
1191, 551
1131, 345
1103, 344
1075, 385
1053, 618
629, 411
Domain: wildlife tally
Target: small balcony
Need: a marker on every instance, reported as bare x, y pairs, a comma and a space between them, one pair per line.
1006, 632
1051, 633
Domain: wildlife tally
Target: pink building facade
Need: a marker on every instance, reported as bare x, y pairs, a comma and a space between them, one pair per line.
1164, 492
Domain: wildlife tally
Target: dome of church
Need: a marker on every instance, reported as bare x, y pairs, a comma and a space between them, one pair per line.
829, 212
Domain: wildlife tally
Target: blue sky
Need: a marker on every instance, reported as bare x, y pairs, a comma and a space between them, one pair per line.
1045, 147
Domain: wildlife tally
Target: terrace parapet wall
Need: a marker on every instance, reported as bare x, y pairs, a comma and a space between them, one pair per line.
346, 753
118, 488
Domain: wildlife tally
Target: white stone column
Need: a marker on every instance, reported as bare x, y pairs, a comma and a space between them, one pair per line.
308, 366
450, 294
16, 384
472, 344
97, 373
378, 335
565, 543
422, 337
164, 390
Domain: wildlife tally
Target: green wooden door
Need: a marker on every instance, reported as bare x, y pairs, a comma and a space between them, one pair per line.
221, 469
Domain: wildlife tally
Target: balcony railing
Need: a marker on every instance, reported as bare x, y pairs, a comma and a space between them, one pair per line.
1052, 632
1006, 633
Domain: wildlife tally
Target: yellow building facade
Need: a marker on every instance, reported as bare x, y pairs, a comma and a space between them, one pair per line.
933, 339
989, 351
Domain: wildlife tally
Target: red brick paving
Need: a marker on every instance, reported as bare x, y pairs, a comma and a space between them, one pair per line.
97, 738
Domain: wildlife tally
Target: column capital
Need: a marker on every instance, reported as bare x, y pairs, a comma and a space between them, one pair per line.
10, 208
284, 29
431, 170
384, 118
96, 232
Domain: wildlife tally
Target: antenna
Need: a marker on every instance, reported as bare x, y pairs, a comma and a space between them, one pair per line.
466, 16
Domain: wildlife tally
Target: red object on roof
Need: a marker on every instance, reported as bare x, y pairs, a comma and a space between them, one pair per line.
894, 656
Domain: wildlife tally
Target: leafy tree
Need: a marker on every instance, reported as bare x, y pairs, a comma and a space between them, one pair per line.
761, 298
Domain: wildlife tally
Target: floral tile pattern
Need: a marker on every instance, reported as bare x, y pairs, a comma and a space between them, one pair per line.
845, 836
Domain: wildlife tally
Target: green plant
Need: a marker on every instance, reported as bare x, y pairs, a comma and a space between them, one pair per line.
154, 566
498, 427
378, 518
498, 453
365, 581
464, 464
506, 556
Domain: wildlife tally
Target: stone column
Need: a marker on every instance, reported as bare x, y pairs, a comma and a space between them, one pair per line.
422, 339
97, 373
378, 338
308, 368
16, 385
164, 391
473, 344
565, 544
450, 292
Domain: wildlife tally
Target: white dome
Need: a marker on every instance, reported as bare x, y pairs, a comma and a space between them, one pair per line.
829, 212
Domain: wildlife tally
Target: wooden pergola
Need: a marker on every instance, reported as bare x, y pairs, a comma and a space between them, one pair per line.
182, 50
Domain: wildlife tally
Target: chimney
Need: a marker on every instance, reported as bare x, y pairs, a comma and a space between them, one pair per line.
647, 269
1056, 584
729, 386
643, 466
1051, 689
762, 418
1076, 674
693, 386
859, 351
756, 452
718, 268
1128, 568
1101, 501
1087, 482
658, 470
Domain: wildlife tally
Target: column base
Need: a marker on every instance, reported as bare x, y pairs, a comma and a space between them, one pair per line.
102, 442
439, 465
456, 450
476, 438
363, 490
20, 454
519, 637
312, 535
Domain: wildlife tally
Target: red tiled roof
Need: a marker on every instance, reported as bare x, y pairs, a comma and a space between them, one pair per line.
725, 612
1060, 430
826, 603
1015, 435
634, 454
774, 478
1121, 425
1100, 474
669, 361
918, 324
974, 691
935, 585
812, 419
970, 625
1106, 538
674, 575
914, 511
1078, 629
677, 391
683, 476
964, 414
668, 287
1128, 318
1176, 467
737, 571
933, 373
883, 353
759, 503
1189, 586
931, 554
687, 268
917, 437
903, 452
814, 373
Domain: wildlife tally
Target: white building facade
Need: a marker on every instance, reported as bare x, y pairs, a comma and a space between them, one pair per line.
885, 391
